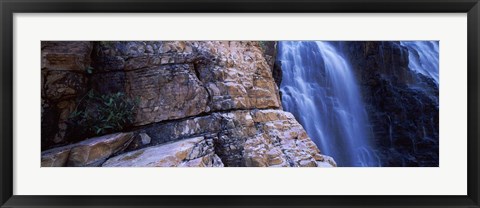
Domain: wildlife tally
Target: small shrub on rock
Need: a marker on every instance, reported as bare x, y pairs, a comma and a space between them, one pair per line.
99, 114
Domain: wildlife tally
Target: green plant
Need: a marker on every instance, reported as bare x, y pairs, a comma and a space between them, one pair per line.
98, 114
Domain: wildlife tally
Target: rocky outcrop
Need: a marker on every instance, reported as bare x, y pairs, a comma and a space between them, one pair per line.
180, 79
171, 80
277, 73
246, 137
166, 92
56, 157
240, 138
200, 103
269, 49
192, 152
253, 138
402, 104
282, 142
95, 151
64, 65
91, 152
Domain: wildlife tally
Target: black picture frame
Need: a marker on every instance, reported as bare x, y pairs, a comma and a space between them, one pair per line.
9, 7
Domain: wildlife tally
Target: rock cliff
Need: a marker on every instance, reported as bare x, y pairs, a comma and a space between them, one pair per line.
200, 103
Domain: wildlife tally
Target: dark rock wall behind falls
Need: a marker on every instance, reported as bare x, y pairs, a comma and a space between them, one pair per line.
402, 105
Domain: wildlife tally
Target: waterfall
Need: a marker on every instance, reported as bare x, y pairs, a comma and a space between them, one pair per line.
319, 89
423, 57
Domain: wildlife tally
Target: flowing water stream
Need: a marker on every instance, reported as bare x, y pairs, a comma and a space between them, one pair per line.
423, 57
319, 88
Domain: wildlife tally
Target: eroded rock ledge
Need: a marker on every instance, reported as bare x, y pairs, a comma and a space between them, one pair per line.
257, 138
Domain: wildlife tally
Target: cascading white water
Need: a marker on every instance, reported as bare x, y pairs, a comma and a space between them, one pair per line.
423, 57
318, 87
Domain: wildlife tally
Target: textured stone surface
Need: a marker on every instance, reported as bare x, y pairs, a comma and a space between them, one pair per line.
269, 49
94, 151
140, 139
402, 105
66, 55
327, 162
193, 152
259, 138
177, 79
56, 157
237, 75
166, 92
62, 85
246, 138
185, 128
282, 142
90, 152
63, 80
109, 83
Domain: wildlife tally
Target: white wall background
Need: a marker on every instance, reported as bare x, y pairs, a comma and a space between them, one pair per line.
450, 178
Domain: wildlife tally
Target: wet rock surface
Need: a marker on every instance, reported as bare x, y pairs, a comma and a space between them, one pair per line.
402, 104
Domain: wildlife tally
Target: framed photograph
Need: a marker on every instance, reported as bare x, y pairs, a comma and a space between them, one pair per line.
269, 103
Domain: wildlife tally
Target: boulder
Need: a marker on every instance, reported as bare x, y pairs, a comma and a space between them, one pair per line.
56, 157
192, 152
90, 152
94, 151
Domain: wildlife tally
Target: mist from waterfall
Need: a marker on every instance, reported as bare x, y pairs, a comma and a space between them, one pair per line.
319, 89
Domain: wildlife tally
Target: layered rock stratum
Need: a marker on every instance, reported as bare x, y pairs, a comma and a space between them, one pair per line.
201, 104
